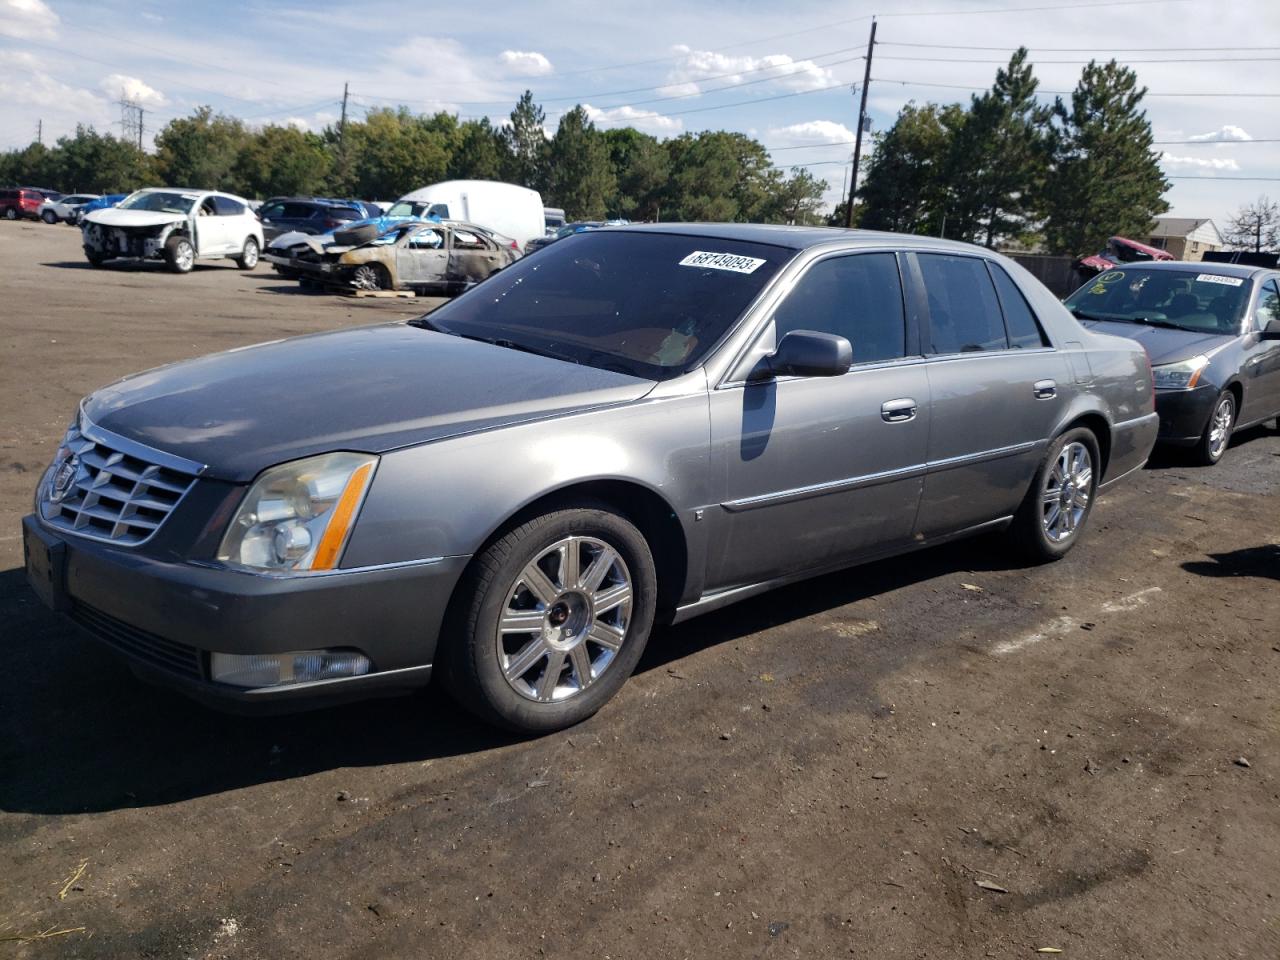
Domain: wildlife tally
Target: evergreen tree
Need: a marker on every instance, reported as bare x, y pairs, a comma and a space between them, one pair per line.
999, 159
482, 152
1105, 178
642, 168
579, 172
527, 143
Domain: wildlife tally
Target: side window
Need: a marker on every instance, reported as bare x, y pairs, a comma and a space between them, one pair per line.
440, 210
274, 210
964, 315
226, 207
465, 240
427, 239
1024, 330
1268, 306
857, 297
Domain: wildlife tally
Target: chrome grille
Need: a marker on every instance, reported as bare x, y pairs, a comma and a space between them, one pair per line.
109, 490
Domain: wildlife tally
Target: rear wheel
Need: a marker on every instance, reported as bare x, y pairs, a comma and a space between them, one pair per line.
1217, 432
553, 619
1057, 506
248, 258
371, 276
179, 254
10, 214
49, 217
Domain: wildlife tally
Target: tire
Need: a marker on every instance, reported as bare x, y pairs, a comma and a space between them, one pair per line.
179, 254
11, 214
248, 258
356, 235
49, 217
1045, 528
95, 260
1217, 432
371, 276
483, 661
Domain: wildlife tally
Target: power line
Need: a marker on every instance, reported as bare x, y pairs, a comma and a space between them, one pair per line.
1164, 143
963, 46
1067, 93
1092, 60
1203, 177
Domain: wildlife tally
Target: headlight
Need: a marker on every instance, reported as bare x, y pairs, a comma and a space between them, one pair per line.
297, 517
1182, 375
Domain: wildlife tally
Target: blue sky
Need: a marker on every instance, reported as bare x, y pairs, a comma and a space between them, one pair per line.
778, 71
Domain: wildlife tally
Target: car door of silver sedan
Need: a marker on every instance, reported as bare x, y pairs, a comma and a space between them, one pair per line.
819, 470
422, 257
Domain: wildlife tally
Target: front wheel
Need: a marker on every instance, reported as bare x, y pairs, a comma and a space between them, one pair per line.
1057, 506
11, 214
553, 619
248, 258
371, 276
49, 217
1217, 432
179, 254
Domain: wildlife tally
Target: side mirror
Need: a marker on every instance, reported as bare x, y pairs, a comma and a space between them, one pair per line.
1271, 331
807, 353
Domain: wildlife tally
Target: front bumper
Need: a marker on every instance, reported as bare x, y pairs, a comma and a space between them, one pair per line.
1185, 413
167, 617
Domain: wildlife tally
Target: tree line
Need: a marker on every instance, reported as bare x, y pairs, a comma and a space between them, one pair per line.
592, 173
1009, 170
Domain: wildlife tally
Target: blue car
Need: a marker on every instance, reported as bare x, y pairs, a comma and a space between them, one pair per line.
104, 201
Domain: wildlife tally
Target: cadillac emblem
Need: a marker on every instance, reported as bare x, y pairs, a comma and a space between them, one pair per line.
64, 478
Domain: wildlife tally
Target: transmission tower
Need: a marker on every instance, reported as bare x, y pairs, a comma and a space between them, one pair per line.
130, 120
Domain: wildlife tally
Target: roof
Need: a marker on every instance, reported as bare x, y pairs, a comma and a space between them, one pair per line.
798, 238
1177, 226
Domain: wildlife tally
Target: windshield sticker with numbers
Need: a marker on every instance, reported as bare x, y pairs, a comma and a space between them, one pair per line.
722, 261
1214, 278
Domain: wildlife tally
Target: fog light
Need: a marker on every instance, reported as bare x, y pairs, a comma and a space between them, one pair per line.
280, 669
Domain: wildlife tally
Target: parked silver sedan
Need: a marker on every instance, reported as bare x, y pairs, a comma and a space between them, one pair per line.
638, 424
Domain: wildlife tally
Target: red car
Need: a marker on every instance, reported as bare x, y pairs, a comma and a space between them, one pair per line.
1119, 250
16, 203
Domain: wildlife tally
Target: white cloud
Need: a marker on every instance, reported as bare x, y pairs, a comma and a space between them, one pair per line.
131, 88
646, 120
698, 65
28, 20
524, 63
811, 132
1228, 133
1198, 163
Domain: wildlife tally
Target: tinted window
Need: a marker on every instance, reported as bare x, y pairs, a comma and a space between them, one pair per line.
1268, 306
226, 207
8, 194
858, 298
964, 315
1024, 331
272, 211
1196, 299
649, 304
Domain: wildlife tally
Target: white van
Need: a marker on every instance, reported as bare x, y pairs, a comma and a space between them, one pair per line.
502, 208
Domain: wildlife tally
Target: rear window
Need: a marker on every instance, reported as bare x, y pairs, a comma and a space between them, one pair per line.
653, 305
964, 314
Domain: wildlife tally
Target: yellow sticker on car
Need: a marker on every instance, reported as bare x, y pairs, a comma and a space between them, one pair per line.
1098, 288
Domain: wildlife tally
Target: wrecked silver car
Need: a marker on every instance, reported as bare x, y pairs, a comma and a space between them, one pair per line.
175, 225
418, 256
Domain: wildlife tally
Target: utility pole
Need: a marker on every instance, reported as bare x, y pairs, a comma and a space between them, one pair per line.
862, 120
342, 138
40, 131
140, 113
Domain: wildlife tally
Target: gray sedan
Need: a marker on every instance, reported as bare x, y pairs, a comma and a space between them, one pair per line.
639, 424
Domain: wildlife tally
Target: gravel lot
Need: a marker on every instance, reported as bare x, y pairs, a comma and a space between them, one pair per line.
833, 769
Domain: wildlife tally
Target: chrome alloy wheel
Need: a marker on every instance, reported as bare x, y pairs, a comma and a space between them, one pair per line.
1065, 496
185, 255
1220, 426
564, 619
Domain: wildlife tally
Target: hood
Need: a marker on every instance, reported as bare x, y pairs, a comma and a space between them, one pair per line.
1162, 344
115, 217
370, 389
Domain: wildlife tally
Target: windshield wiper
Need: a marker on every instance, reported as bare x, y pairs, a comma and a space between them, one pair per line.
426, 323
512, 345
1082, 315
1152, 322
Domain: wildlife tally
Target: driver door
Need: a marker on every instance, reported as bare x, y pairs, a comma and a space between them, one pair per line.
1261, 366
422, 257
817, 471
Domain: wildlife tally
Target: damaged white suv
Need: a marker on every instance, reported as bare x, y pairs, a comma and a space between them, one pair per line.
175, 225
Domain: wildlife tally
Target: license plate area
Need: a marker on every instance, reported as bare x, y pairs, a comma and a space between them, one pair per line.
46, 560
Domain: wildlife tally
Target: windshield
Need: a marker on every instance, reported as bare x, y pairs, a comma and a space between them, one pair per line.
1201, 301
409, 208
161, 202
652, 305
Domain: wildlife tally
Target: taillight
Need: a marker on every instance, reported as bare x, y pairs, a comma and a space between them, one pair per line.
333, 224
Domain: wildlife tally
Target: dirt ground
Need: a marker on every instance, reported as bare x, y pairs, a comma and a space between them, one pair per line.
833, 769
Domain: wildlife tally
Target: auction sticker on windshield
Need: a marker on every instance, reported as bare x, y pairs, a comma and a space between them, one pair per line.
1214, 278
722, 261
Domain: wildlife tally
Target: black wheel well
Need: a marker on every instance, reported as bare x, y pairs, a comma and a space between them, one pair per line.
1237, 391
1096, 424
648, 511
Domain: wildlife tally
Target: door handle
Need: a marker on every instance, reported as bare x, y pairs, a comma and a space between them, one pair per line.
898, 411
1045, 389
